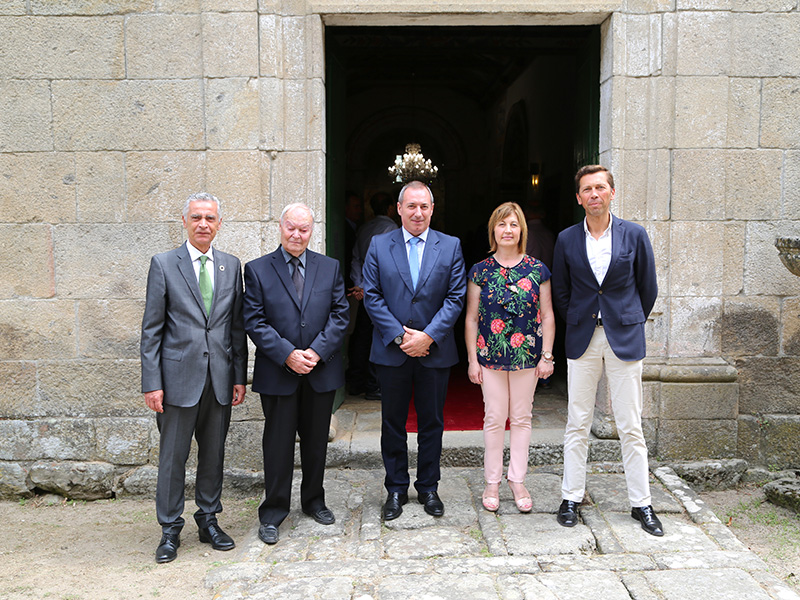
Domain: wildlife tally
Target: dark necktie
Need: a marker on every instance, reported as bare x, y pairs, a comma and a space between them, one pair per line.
297, 276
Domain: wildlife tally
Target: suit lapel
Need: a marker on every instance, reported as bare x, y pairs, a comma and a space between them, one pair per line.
221, 275
397, 248
282, 270
429, 256
187, 270
311, 273
617, 239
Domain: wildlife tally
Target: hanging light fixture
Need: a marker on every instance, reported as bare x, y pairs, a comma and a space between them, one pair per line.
413, 166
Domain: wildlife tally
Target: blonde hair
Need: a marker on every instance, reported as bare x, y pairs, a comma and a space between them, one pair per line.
500, 213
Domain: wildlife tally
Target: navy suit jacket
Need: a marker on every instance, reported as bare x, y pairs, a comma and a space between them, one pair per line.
625, 297
433, 307
278, 321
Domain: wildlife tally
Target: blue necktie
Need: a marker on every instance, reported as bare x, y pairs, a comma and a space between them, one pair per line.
413, 261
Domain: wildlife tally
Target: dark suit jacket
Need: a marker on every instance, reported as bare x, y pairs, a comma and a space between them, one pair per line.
625, 297
180, 343
433, 307
278, 321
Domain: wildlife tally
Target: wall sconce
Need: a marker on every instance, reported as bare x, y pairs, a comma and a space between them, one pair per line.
534, 169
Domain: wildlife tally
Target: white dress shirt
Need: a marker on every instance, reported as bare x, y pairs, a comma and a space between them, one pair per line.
195, 255
599, 252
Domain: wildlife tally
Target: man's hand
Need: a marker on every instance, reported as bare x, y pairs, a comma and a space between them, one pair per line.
416, 343
238, 394
155, 400
300, 361
356, 292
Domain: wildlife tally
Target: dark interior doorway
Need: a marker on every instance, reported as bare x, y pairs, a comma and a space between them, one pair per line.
493, 107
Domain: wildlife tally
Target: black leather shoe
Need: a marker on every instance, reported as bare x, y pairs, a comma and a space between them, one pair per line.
433, 505
373, 395
394, 505
647, 517
567, 513
168, 547
323, 516
218, 539
268, 534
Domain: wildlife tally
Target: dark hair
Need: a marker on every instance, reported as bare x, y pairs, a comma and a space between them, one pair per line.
590, 170
380, 203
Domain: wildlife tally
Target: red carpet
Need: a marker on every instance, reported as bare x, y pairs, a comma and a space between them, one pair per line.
463, 407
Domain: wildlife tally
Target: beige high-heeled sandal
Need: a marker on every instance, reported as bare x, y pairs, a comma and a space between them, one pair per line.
491, 502
523, 502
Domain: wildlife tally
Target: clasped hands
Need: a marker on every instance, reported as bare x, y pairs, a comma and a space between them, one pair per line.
302, 362
416, 343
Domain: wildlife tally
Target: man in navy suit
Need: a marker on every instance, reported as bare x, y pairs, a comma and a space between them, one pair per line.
414, 285
296, 314
604, 286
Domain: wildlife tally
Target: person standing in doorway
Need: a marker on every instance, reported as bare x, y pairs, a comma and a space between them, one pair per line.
361, 375
414, 285
604, 285
509, 332
194, 367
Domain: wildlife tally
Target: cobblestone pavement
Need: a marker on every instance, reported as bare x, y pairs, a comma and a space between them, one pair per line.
470, 553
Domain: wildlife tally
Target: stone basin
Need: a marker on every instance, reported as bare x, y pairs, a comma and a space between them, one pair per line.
789, 251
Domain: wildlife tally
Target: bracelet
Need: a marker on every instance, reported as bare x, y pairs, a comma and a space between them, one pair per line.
549, 362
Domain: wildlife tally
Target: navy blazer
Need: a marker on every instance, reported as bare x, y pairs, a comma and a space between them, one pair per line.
624, 299
433, 307
278, 321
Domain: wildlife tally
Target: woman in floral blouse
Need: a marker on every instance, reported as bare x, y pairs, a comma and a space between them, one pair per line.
509, 333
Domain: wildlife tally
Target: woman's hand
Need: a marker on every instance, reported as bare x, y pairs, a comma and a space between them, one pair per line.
544, 369
475, 374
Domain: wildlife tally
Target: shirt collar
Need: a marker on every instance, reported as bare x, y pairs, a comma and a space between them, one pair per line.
606, 232
423, 236
287, 257
195, 254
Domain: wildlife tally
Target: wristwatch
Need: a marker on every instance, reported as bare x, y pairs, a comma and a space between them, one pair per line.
547, 356
399, 339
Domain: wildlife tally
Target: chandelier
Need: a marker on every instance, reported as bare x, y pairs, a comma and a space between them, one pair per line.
412, 166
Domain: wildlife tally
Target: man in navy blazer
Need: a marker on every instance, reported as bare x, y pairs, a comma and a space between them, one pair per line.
296, 314
414, 285
604, 286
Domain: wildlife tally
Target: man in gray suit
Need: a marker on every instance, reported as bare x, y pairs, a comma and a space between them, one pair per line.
194, 367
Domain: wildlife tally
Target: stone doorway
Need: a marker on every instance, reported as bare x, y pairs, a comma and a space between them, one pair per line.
490, 106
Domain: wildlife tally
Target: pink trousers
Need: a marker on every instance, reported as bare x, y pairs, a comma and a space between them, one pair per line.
507, 395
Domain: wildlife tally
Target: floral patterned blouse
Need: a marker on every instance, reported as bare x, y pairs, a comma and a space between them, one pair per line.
509, 323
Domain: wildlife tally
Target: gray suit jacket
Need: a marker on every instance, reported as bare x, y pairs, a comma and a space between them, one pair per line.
180, 343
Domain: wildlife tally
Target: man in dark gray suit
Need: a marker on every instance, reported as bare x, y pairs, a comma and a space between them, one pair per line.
296, 313
194, 367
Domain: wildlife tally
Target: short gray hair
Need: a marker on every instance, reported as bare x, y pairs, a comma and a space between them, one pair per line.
202, 197
416, 184
293, 205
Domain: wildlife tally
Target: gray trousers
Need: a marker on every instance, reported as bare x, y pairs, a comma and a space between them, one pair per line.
208, 421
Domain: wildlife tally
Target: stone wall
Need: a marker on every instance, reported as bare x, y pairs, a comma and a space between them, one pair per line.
113, 111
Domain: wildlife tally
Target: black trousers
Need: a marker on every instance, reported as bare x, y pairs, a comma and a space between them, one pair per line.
208, 421
361, 375
429, 388
305, 413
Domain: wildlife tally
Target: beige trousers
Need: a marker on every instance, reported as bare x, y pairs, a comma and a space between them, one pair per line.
507, 395
625, 384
